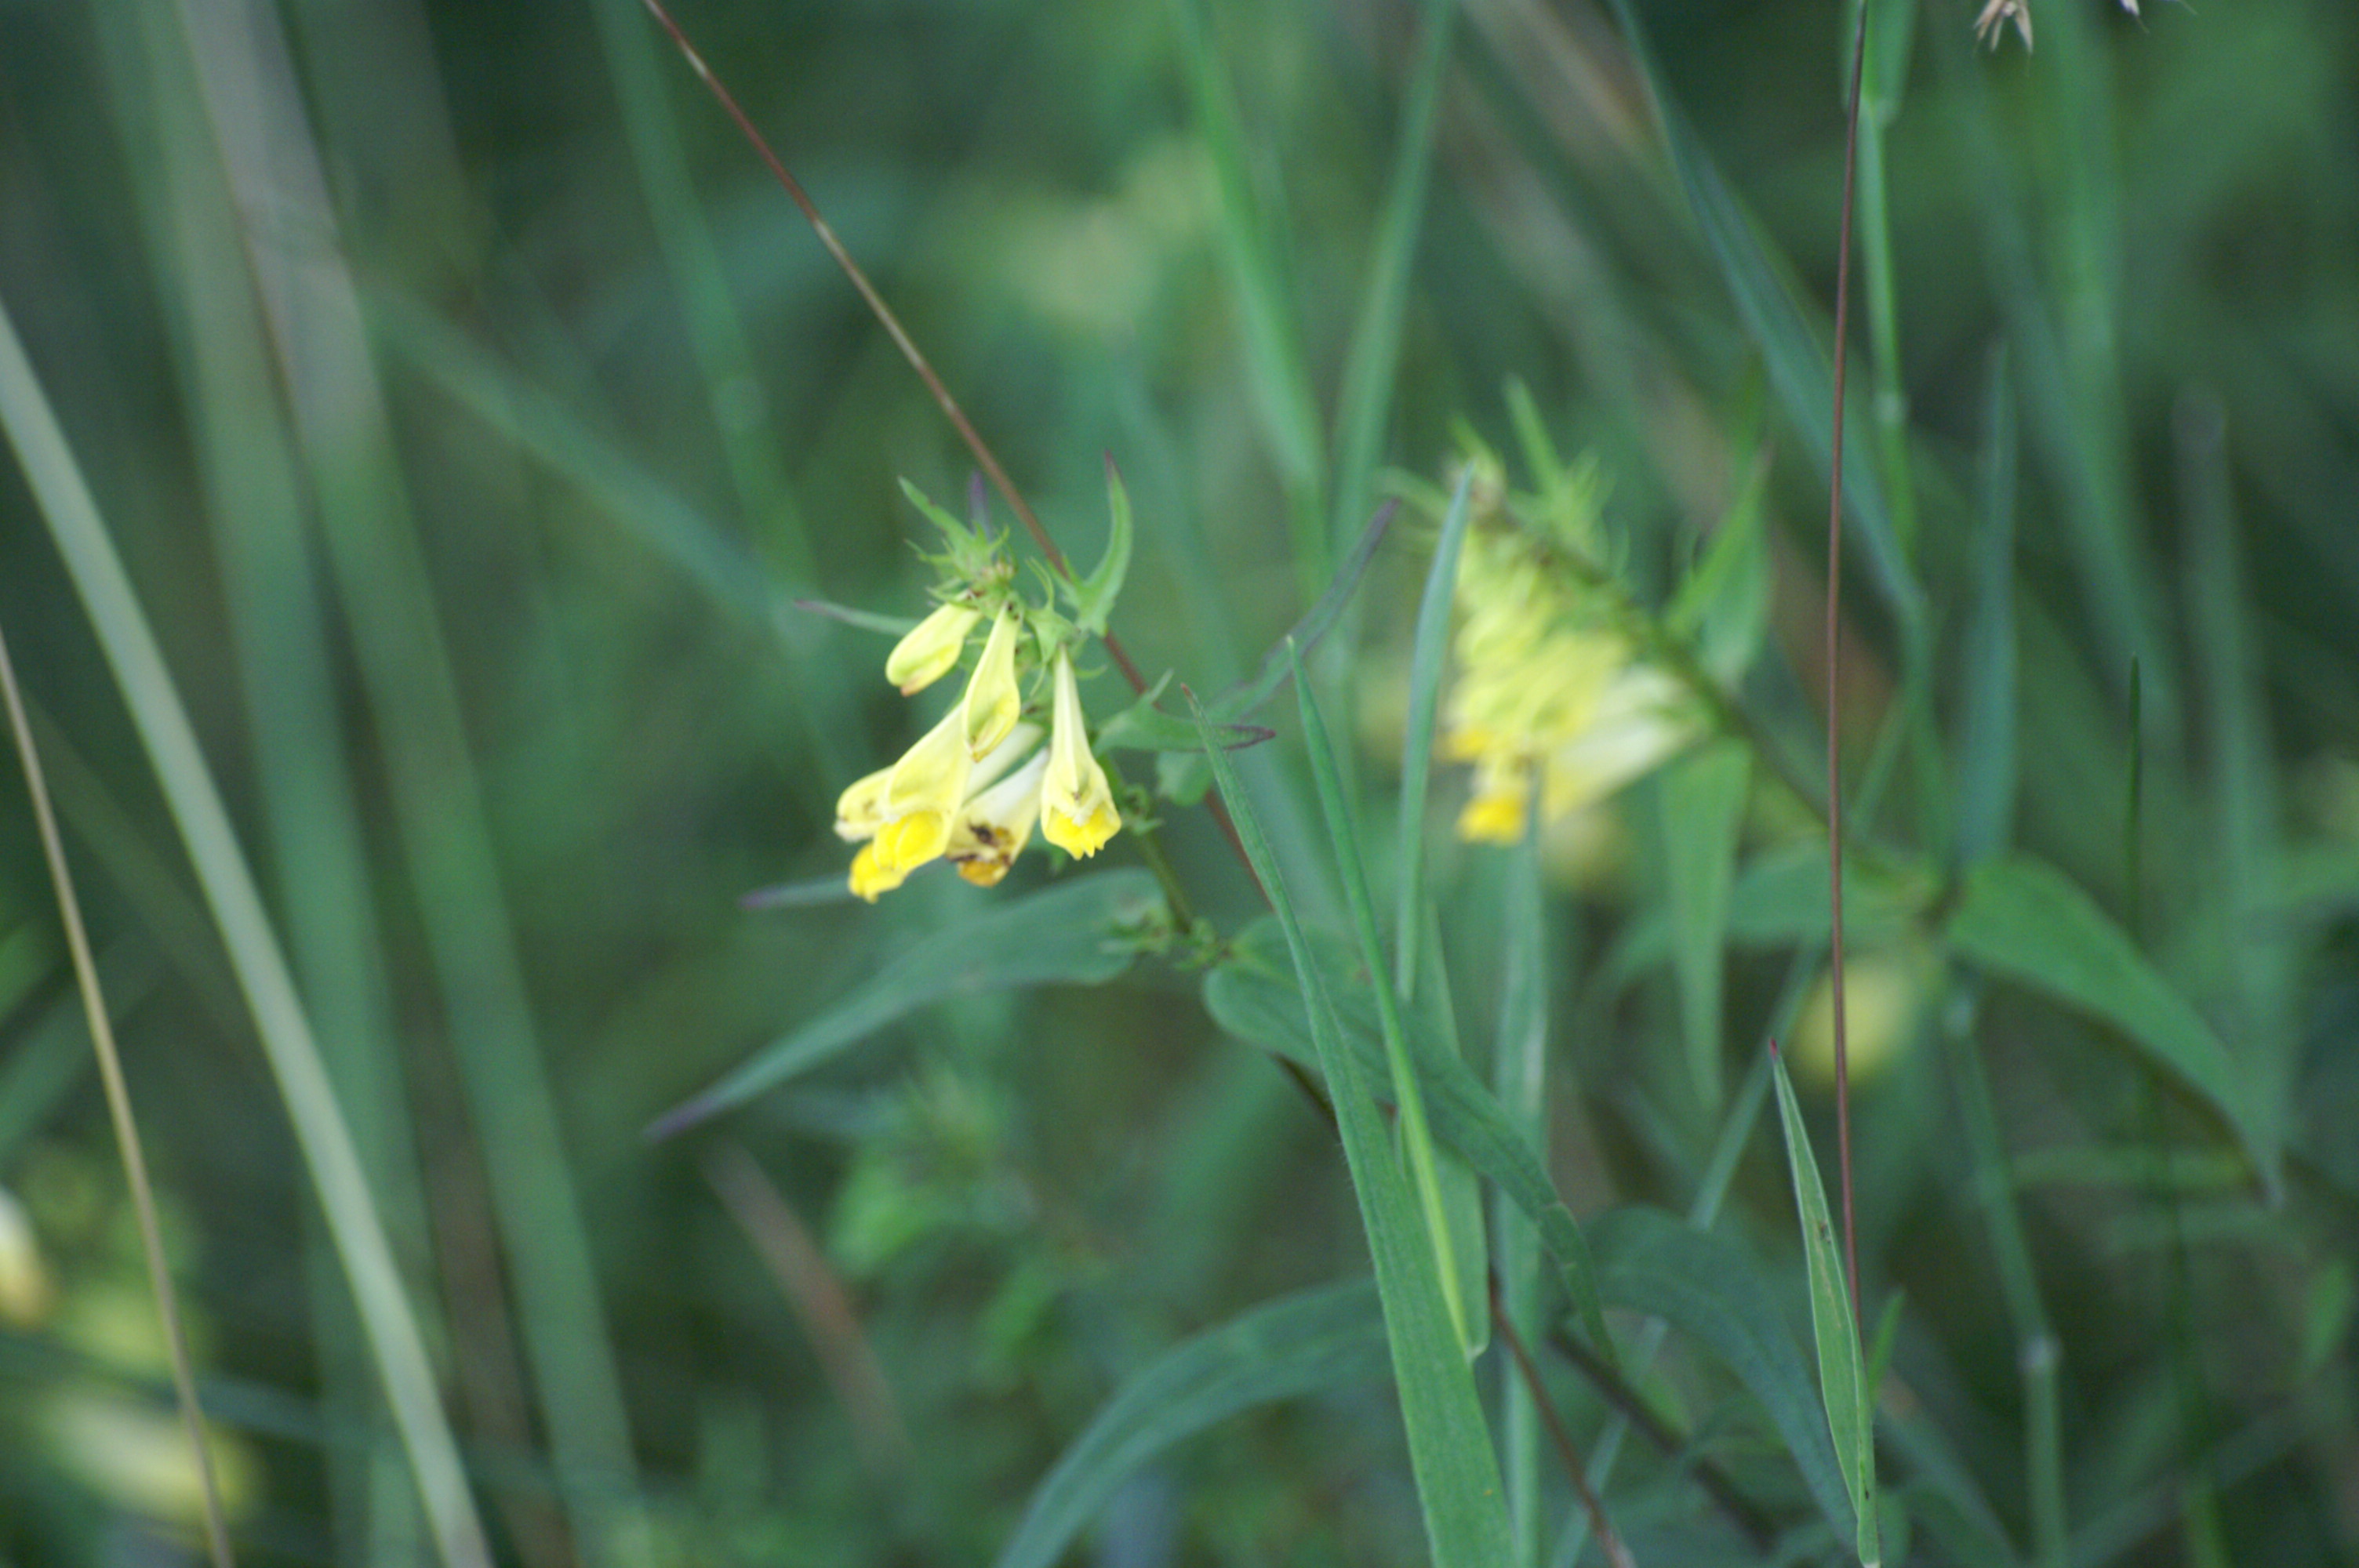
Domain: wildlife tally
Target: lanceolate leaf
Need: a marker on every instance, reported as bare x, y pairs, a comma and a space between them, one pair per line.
1449, 1442
1094, 595
1329, 1337
1072, 934
2021, 920
1254, 998
1843, 1381
1717, 1293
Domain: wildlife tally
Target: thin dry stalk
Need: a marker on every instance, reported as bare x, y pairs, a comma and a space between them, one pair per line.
118, 1108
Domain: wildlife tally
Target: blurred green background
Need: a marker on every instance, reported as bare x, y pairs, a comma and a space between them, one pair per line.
470, 407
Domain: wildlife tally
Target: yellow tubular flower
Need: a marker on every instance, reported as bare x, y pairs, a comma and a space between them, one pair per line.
1076, 803
930, 651
926, 789
869, 879
995, 824
860, 810
993, 702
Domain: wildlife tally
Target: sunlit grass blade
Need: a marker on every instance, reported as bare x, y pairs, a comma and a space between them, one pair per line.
1986, 711
1070, 934
1365, 399
81, 537
1329, 1336
1251, 997
1703, 803
1433, 640
1416, 1137
1849, 1402
1449, 1442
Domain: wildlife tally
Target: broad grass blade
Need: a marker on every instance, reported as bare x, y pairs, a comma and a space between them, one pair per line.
1252, 999
1449, 1441
1842, 1382
2021, 920
1702, 801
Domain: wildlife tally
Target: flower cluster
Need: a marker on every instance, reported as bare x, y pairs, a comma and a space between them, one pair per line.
972, 789
1551, 695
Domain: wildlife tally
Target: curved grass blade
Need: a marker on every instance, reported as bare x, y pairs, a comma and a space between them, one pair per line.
1072, 934
2021, 920
1449, 1442
1716, 1292
1330, 1336
1252, 998
64, 500
1843, 1381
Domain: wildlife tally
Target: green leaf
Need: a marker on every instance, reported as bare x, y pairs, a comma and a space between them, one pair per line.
1094, 595
1416, 1138
1723, 604
1851, 1415
1072, 934
2020, 919
1716, 1292
1331, 1336
1449, 1441
1143, 727
1702, 801
1251, 998
867, 621
1416, 747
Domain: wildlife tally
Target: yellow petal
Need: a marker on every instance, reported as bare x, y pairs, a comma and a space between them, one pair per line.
930, 651
1076, 810
994, 826
870, 879
860, 810
992, 703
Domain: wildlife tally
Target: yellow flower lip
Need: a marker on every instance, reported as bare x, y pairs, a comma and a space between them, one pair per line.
925, 788
930, 649
1076, 810
997, 823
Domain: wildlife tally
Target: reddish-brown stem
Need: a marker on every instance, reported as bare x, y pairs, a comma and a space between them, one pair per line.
1834, 679
1617, 1555
891, 323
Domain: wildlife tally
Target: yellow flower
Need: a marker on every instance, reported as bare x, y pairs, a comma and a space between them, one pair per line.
1548, 690
995, 824
870, 880
1077, 808
992, 703
926, 786
930, 651
860, 810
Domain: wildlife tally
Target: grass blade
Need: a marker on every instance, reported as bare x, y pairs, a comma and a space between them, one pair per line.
1372, 362
1450, 1446
1703, 804
1417, 750
2022, 920
1519, 1074
1842, 1382
196, 805
1416, 1137
1986, 717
